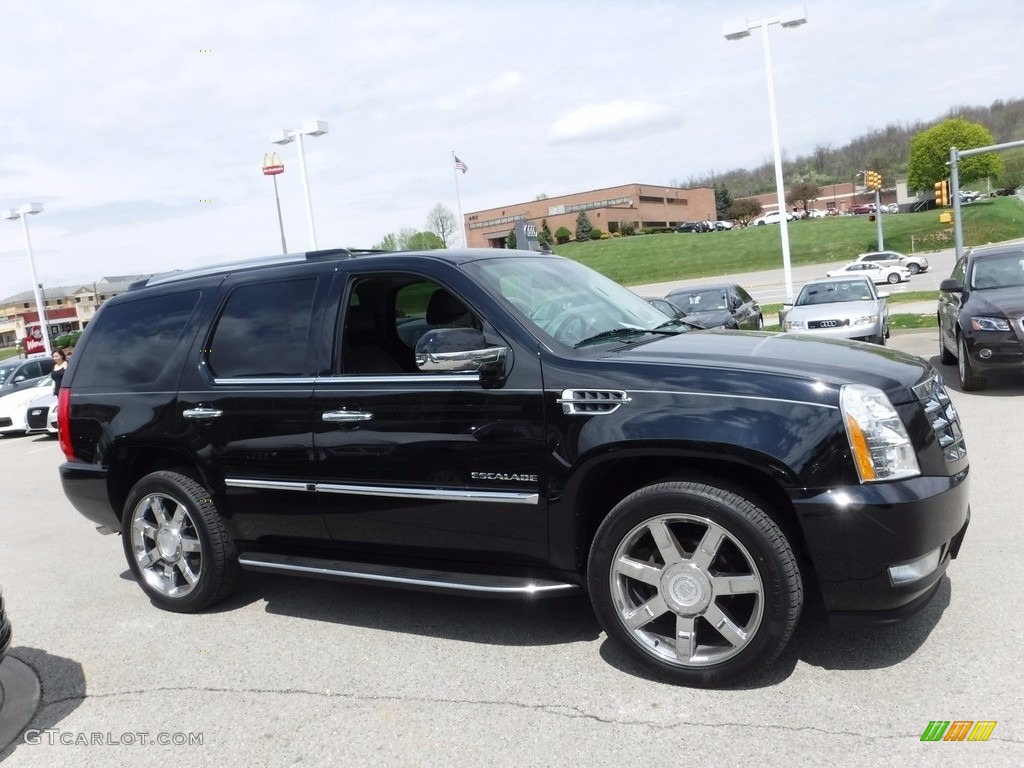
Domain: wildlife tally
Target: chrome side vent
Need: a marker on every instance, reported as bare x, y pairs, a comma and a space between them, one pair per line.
943, 417
592, 401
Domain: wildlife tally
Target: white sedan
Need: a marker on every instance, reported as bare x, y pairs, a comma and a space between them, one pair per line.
14, 406
878, 273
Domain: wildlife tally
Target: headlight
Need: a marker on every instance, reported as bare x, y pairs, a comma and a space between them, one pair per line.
990, 324
878, 438
864, 320
794, 325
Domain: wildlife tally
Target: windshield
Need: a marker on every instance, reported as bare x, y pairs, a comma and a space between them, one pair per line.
567, 301
5, 372
829, 293
701, 299
1004, 272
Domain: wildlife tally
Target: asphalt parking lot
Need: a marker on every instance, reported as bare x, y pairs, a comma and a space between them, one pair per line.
300, 672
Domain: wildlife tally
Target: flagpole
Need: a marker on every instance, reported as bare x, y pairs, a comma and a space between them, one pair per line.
458, 199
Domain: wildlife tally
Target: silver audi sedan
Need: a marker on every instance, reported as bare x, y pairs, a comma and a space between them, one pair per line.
840, 308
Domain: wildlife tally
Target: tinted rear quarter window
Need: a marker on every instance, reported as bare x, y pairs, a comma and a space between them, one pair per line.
263, 330
133, 342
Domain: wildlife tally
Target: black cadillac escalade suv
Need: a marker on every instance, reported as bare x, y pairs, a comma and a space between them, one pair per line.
509, 423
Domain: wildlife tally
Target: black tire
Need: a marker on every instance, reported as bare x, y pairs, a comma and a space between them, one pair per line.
945, 356
673, 587
760, 322
894, 278
176, 544
969, 380
914, 268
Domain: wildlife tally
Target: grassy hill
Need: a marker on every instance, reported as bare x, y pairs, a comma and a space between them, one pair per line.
655, 258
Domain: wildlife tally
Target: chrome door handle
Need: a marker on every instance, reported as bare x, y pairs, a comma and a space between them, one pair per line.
335, 417
202, 413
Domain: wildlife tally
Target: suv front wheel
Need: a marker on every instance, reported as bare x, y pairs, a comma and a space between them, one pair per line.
176, 544
696, 582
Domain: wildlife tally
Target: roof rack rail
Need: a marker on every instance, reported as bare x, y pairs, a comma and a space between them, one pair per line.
236, 266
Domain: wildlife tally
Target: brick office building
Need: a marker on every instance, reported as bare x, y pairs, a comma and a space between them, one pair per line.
641, 205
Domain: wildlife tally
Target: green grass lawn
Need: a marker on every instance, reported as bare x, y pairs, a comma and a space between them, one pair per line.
657, 258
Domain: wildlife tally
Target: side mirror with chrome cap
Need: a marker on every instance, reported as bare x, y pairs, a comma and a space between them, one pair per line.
459, 350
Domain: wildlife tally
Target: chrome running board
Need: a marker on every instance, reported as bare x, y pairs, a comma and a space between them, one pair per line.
483, 585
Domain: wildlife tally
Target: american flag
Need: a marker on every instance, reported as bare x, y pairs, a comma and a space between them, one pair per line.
459, 165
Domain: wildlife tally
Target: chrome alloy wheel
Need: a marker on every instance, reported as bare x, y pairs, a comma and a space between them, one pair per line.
166, 545
686, 590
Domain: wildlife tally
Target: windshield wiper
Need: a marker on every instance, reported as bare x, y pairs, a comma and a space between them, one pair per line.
622, 333
680, 321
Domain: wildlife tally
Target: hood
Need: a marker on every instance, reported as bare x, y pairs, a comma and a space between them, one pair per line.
833, 361
997, 301
711, 318
834, 309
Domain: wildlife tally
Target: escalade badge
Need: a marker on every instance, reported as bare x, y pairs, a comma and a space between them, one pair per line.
503, 476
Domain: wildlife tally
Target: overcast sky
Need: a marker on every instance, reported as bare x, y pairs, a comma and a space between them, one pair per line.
141, 125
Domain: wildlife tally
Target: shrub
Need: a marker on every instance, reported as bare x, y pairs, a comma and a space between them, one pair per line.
562, 235
616, 234
595, 234
604, 236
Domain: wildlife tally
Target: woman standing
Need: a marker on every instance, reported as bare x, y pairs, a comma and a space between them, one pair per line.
60, 364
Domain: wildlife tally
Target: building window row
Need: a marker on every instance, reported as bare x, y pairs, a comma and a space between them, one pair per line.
598, 204
496, 222
677, 201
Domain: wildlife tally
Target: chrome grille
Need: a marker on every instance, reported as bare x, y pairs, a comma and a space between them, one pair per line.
592, 401
943, 417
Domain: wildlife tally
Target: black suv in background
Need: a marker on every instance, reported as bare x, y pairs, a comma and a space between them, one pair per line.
981, 314
511, 424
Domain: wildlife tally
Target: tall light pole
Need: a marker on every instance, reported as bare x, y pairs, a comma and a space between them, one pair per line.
272, 166
312, 128
30, 209
737, 30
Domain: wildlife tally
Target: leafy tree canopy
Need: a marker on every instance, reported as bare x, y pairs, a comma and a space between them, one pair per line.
744, 209
929, 154
803, 193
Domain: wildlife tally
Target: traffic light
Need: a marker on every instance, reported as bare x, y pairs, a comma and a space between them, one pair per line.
942, 193
873, 180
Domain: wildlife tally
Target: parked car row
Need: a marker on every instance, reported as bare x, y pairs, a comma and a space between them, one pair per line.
703, 226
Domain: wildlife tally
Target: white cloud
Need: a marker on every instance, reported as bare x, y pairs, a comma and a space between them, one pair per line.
609, 119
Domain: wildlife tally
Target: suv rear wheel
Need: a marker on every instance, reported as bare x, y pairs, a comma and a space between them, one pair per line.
696, 582
176, 544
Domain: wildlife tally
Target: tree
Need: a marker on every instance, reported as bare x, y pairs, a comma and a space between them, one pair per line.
389, 243
802, 193
583, 227
545, 232
562, 235
744, 210
1013, 174
510, 241
929, 154
722, 201
441, 221
423, 241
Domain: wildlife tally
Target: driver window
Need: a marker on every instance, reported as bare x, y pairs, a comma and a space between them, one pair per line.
386, 315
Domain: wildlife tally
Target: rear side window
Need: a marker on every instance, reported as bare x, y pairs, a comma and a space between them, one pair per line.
132, 343
263, 330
